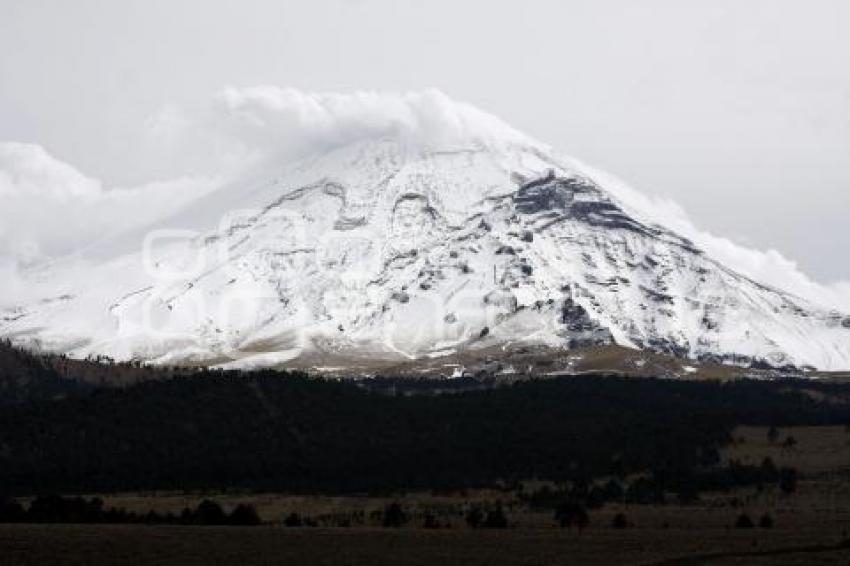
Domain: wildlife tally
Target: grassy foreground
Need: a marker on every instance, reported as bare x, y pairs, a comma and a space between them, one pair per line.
46, 545
810, 525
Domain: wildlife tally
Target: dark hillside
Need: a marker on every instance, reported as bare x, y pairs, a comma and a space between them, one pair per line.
286, 431
27, 377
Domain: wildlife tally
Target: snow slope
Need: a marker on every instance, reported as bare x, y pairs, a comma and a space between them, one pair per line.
400, 248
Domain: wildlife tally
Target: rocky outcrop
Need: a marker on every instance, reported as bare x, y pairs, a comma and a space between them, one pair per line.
579, 329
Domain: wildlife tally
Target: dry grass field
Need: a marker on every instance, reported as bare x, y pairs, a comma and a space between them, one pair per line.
73, 545
815, 449
811, 526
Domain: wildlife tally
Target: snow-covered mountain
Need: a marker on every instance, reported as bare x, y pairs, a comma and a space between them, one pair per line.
387, 247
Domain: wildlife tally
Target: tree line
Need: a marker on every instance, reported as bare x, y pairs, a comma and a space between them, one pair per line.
287, 431
58, 509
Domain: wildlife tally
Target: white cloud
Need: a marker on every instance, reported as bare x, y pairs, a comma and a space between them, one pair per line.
250, 128
271, 116
27, 170
50, 208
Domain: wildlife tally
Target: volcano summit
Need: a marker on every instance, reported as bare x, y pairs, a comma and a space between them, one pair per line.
423, 227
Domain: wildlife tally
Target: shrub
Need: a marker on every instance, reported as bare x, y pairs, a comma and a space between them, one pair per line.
744, 522
11, 511
244, 515
210, 513
430, 522
772, 434
394, 516
620, 521
613, 490
495, 519
570, 515
788, 480
475, 517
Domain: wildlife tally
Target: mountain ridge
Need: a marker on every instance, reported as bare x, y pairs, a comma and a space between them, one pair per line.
388, 248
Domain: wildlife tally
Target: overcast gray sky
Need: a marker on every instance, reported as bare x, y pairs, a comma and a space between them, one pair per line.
737, 109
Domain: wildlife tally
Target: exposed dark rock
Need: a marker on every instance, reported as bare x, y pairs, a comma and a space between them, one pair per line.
581, 330
657, 296
577, 199
401, 296
707, 358
666, 346
549, 194
574, 316
346, 223
762, 364
503, 299
426, 207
